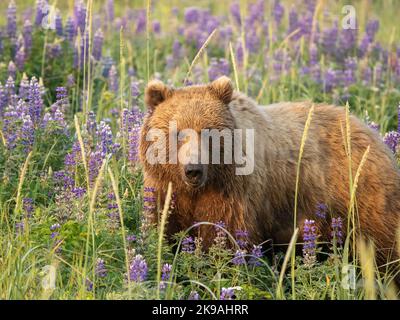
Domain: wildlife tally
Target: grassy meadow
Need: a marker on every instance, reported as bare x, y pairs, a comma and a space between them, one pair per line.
72, 79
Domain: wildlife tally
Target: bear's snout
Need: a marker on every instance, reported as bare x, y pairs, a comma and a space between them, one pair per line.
195, 174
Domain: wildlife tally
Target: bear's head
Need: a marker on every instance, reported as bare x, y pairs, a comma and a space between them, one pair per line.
179, 135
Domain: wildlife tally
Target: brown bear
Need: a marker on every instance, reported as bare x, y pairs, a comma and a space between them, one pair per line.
262, 202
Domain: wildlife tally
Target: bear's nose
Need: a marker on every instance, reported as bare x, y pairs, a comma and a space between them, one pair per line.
194, 171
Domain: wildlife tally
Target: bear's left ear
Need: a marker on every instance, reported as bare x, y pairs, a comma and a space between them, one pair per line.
222, 88
155, 93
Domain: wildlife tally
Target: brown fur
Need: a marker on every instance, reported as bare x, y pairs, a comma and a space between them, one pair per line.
263, 203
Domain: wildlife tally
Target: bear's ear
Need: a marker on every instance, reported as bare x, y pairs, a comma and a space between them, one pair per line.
155, 93
222, 88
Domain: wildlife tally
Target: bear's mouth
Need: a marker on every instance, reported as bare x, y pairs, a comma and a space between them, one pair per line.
195, 183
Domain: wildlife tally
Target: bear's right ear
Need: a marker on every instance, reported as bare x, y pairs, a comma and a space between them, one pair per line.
222, 89
155, 93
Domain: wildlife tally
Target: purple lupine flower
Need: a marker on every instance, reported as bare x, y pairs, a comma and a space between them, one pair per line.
374, 126
41, 11
392, 139
70, 81
149, 201
131, 72
217, 68
80, 15
138, 269
321, 210
3, 99
331, 79
239, 52
346, 41
309, 239
110, 10
256, 255
194, 295
165, 274
188, 245
371, 29
239, 258
27, 133
63, 179
131, 238
55, 230
55, 227
278, 12
174, 59
112, 211
235, 12
281, 63
35, 100
70, 29
1, 42
98, 44
13, 130
398, 119
19, 43
156, 27
12, 20
220, 236
113, 83
293, 20
91, 124
337, 233
19, 227
226, 34
210, 23
329, 39
131, 124
23, 88
27, 34
256, 13
107, 63
27, 205
133, 144
61, 93
316, 74
192, 15
89, 285
349, 75
141, 21
305, 25
94, 164
364, 46
78, 192
367, 75
135, 91
101, 270
58, 24
252, 41
10, 88
105, 137
227, 294
241, 238
20, 59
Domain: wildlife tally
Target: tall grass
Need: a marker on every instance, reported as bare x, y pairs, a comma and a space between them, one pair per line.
301, 151
26, 258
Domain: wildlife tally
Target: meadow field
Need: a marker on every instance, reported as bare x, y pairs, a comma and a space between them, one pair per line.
72, 79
